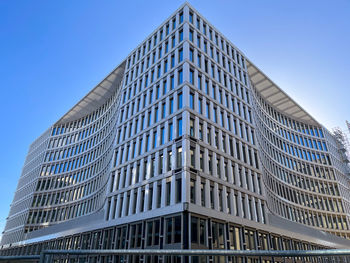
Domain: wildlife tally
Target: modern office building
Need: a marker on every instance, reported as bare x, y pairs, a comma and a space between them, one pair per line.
186, 144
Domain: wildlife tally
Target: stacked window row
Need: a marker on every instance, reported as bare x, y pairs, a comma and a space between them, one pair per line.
335, 224
151, 54
71, 194
307, 180
71, 179
165, 65
280, 147
221, 117
213, 61
305, 199
86, 125
67, 152
165, 231
169, 27
224, 92
86, 158
304, 192
202, 27
151, 139
221, 197
154, 164
40, 217
155, 194
294, 164
155, 113
76, 183
276, 117
293, 144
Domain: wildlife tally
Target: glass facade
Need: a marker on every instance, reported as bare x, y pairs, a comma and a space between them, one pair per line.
180, 147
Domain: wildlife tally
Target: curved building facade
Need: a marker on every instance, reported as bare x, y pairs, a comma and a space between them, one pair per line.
300, 175
186, 144
67, 168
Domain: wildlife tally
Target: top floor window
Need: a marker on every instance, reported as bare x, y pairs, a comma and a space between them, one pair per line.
174, 23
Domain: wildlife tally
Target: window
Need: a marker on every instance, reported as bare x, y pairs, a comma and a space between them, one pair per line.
168, 193
158, 71
179, 101
192, 154
179, 127
174, 23
163, 110
140, 146
173, 42
164, 87
198, 231
181, 35
178, 188
179, 157
180, 77
202, 192
220, 200
166, 47
152, 236
172, 61
199, 85
155, 114
193, 191
192, 76
200, 130
171, 106
192, 101
192, 127
211, 196
191, 35
170, 131
172, 82
191, 54
162, 134
159, 193
209, 135
160, 163
235, 238
170, 153
150, 197
147, 143
173, 230
218, 235
180, 55
207, 87
167, 29
215, 114
155, 138
191, 17
149, 118
159, 52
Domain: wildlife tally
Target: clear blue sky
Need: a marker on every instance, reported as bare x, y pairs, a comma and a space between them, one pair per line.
53, 52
